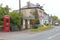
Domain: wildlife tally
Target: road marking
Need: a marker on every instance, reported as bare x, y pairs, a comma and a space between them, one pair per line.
53, 36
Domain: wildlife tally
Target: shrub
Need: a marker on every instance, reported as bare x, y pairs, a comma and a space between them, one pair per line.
37, 21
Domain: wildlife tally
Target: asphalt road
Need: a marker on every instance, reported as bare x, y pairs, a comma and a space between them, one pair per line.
53, 34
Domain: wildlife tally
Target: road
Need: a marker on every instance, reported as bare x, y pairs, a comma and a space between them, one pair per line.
53, 34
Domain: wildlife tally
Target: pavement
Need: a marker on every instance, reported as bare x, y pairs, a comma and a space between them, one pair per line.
53, 34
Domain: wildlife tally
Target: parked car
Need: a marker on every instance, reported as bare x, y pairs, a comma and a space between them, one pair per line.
56, 24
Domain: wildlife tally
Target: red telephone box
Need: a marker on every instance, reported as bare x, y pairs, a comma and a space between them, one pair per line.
6, 23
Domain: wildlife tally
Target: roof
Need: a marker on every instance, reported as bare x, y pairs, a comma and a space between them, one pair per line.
31, 6
45, 13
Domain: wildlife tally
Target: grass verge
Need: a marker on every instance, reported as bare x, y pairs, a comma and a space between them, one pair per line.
42, 29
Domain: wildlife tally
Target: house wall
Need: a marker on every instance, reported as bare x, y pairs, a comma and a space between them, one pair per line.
40, 12
46, 18
27, 13
42, 16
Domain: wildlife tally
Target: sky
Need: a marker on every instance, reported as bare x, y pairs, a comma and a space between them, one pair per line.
50, 6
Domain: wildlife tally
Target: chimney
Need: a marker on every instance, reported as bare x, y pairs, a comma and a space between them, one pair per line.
37, 4
28, 3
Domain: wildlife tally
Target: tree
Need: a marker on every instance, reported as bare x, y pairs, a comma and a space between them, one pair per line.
7, 9
3, 11
55, 19
15, 18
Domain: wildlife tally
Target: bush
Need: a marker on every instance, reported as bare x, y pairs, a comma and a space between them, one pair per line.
37, 21
35, 26
1, 22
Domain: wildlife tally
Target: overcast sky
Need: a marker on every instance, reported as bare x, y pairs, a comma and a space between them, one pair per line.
51, 6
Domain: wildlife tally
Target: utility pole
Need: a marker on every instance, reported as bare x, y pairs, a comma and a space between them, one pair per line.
20, 14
